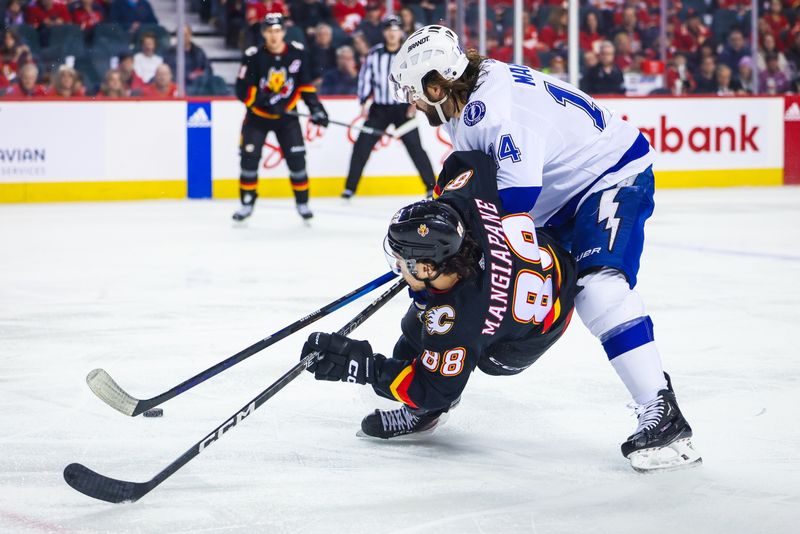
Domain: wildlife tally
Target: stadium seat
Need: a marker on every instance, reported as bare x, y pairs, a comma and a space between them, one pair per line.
111, 37
67, 37
29, 36
724, 20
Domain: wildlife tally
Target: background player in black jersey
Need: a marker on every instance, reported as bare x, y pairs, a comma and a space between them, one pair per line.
373, 86
498, 297
271, 80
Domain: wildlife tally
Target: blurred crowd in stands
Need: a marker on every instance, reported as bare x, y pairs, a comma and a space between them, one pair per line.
117, 49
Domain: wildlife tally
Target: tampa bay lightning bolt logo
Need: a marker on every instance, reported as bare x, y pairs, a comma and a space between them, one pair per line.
474, 112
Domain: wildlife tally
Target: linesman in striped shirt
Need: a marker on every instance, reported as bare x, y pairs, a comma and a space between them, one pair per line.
373, 84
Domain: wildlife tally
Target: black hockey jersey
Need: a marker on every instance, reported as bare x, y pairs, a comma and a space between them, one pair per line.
271, 84
525, 285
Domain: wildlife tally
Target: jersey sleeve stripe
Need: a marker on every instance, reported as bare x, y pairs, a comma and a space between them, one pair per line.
251, 96
306, 89
400, 385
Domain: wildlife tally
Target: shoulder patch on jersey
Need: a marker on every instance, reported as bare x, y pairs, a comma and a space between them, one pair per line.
298, 45
295, 66
439, 319
474, 112
251, 51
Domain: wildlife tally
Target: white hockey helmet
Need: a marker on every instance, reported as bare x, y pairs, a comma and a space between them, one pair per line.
431, 48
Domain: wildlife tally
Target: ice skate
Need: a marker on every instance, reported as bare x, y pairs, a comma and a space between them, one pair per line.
347, 194
400, 423
245, 211
304, 210
662, 441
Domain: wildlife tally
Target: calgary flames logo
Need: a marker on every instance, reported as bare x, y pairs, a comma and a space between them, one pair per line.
423, 230
276, 79
439, 320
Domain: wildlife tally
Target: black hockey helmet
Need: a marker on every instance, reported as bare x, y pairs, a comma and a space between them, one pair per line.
426, 230
272, 20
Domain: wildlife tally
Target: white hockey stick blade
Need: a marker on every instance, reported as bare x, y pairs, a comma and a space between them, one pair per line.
404, 128
109, 392
677, 455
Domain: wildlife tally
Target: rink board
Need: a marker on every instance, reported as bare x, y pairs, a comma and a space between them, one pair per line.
93, 150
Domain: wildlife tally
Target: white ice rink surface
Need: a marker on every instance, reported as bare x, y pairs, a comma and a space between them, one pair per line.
154, 292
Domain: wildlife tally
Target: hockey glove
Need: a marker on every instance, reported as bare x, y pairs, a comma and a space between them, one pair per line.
341, 358
319, 117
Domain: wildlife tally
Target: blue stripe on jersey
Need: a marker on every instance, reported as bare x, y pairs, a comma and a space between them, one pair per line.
638, 149
638, 334
519, 199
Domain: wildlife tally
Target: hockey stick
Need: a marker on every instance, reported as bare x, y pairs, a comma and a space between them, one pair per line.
101, 487
101, 383
399, 132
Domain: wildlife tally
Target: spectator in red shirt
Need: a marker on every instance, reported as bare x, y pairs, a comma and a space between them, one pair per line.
47, 13
26, 83
162, 85
590, 38
630, 27
14, 15
130, 79
678, 76
348, 13
113, 86
13, 53
776, 21
554, 34
692, 34
86, 16
624, 57
793, 52
66, 83
530, 37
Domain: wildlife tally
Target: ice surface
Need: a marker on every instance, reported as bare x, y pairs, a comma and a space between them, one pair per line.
156, 291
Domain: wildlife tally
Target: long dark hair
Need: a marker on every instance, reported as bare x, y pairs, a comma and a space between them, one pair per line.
465, 262
461, 88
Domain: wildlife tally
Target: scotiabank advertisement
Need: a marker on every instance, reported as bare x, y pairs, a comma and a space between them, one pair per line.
87, 150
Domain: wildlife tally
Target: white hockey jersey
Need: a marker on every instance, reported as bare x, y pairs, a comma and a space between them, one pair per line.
553, 144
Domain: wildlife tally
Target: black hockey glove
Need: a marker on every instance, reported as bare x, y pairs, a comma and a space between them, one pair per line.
341, 358
319, 117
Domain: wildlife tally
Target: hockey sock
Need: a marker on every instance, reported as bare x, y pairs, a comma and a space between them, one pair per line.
615, 314
248, 183
299, 181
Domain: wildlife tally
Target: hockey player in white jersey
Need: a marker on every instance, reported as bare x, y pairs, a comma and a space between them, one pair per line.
584, 174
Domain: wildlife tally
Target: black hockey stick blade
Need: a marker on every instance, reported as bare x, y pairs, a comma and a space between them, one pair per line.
112, 490
102, 487
107, 389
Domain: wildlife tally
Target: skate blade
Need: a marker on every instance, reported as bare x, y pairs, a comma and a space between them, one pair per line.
414, 436
677, 455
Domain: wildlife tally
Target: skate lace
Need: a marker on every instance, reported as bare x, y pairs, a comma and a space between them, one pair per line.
649, 414
400, 419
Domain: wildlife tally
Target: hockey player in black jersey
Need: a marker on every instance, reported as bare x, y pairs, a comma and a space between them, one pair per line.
499, 294
272, 78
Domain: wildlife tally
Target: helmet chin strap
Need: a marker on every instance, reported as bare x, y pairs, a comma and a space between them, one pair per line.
437, 105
